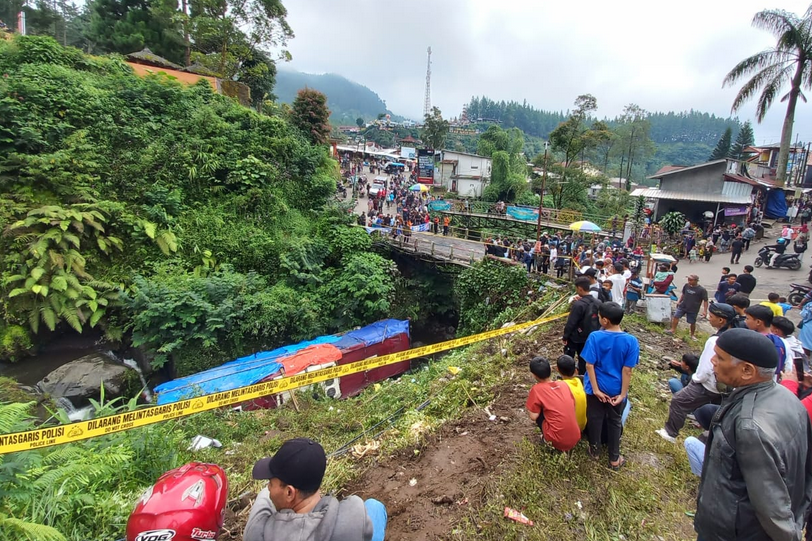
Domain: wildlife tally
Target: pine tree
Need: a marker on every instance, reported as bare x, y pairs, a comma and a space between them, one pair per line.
722, 149
310, 114
743, 140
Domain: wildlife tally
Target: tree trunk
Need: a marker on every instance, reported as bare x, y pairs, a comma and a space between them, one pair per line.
789, 120
187, 50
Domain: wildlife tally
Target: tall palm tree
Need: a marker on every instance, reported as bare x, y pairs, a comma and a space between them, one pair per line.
790, 61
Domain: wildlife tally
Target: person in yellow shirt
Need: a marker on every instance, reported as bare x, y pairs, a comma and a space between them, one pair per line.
772, 304
566, 368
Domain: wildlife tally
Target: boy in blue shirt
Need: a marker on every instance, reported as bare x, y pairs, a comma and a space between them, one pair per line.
633, 289
610, 355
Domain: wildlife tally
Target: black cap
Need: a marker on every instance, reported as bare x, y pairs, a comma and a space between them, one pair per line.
591, 272
722, 310
749, 346
299, 462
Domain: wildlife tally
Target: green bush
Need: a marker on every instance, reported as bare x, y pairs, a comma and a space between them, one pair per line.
485, 290
15, 343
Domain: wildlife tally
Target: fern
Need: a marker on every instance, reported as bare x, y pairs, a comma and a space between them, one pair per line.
29, 530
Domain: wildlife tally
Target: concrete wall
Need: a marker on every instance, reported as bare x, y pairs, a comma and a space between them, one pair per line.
707, 180
469, 187
470, 165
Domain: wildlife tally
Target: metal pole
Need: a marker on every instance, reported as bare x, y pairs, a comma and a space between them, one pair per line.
541, 196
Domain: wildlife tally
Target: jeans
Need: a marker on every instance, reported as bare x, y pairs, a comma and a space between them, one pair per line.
675, 385
376, 512
596, 413
696, 454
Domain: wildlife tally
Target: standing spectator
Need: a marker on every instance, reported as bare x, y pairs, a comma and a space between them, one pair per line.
758, 483
746, 281
618, 284
736, 248
693, 297
292, 507
748, 235
551, 406
581, 321
702, 388
446, 223
726, 288
610, 356
633, 291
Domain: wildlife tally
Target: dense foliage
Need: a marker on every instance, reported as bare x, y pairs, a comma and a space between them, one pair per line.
204, 220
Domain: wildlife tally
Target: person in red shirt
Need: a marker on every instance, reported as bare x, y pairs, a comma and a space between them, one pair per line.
551, 405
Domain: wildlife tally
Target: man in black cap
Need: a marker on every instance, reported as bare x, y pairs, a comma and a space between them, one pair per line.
757, 479
292, 508
702, 388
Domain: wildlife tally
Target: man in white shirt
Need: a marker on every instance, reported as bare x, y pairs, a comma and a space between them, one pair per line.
701, 389
618, 284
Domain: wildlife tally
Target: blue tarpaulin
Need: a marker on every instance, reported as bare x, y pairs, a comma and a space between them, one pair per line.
439, 205
776, 205
254, 368
520, 213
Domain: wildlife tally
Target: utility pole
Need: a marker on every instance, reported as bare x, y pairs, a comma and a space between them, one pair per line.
541, 197
427, 99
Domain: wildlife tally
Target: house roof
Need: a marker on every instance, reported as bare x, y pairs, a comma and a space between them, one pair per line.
145, 56
660, 174
654, 193
758, 182
464, 154
668, 169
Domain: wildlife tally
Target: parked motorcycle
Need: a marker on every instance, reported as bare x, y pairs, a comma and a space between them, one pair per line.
787, 261
797, 293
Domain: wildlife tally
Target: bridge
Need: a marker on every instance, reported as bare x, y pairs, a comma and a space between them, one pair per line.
437, 248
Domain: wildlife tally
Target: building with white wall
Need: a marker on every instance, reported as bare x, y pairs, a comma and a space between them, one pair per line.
463, 173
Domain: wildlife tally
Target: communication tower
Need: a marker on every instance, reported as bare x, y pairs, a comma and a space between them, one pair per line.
427, 100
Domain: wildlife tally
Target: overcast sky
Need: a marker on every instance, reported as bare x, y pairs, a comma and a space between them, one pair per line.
661, 56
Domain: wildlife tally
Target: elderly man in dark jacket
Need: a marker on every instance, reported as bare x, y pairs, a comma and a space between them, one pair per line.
757, 478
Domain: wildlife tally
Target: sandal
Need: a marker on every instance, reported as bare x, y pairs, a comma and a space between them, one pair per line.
594, 453
620, 463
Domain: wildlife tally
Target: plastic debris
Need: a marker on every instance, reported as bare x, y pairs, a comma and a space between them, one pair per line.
412, 482
517, 516
201, 442
454, 370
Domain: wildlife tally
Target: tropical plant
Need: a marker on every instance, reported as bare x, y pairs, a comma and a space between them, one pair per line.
435, 129
50, 281
788, 63
672, 223
485, 290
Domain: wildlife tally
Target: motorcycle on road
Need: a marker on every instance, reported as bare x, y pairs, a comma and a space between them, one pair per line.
785, 261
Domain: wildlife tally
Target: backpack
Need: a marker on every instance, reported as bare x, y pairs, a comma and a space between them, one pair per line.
590, 321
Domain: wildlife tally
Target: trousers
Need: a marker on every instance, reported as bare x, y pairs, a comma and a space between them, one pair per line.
376, 511
691, 397
596, 413
574, 350
696, 454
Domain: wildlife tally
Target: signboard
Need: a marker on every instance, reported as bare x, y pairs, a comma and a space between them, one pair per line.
425, 166
408, 152
736, 210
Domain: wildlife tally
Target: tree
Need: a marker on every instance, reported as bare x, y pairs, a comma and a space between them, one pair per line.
311, 115
435, 129
359, 122
127, 26
632, 143
789, 62
722, 149
568, 137
744, 139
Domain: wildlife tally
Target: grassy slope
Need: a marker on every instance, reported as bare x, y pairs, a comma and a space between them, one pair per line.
646, 500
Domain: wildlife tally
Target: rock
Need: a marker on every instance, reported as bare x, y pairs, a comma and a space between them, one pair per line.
81, 379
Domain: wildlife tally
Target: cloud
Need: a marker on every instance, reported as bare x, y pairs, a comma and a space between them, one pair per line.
661, 56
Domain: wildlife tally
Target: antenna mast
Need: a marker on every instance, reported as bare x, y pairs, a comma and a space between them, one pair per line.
427, 100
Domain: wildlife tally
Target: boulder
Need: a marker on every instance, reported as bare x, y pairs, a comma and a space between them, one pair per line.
81, 379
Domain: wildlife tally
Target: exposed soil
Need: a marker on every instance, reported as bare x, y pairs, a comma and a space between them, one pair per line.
428, 492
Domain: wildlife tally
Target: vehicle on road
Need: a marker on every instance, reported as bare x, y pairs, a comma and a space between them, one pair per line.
378, 186
797, 292
783, 261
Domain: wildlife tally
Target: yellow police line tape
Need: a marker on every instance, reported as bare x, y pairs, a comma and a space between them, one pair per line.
83, 430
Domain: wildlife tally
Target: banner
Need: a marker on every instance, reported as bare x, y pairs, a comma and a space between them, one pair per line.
735, 210
425, 166
408, 152
83, 430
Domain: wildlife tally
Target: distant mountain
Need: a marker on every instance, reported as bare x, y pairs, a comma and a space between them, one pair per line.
346, 99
